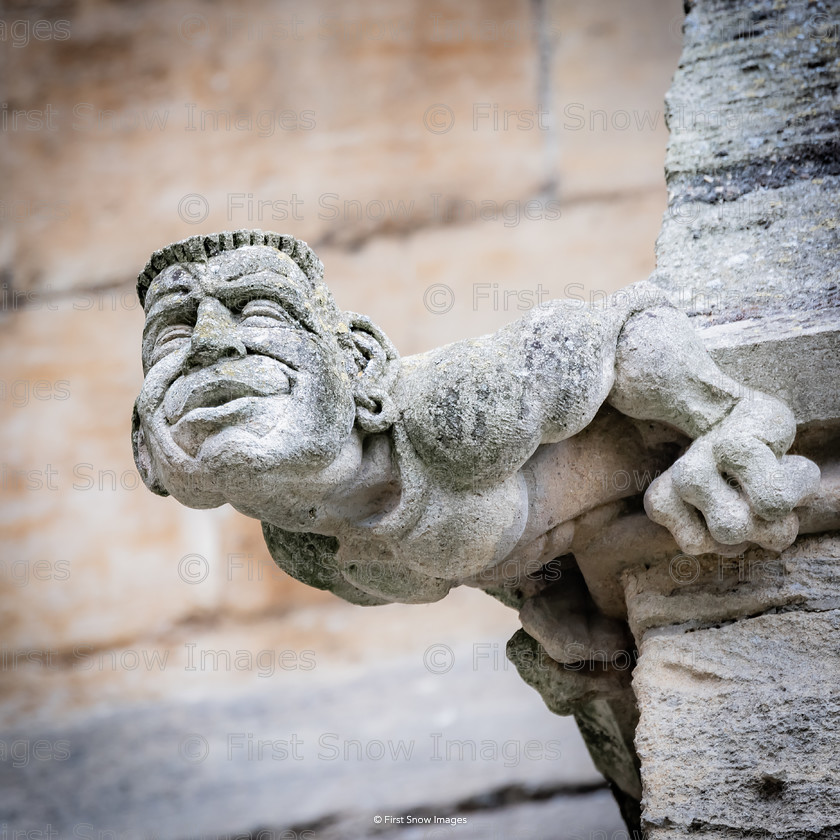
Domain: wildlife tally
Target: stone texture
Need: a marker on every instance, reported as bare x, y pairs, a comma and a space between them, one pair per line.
739, 728
496, 255
76, 526
439, 285
69, 311
277, 97
738, 720
694, 592
784, 234
384, 479
752, 162
766, 354
68, 339
608, 56
568, 625
63, 168
597, 110
394, 479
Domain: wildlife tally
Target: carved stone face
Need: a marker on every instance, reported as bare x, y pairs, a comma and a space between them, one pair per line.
244, 384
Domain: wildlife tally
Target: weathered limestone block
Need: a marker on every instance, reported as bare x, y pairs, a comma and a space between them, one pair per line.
739, 728
695, 592
708, 262
753, 161
767, 354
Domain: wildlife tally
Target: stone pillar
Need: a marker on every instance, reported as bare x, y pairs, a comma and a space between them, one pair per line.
738, 678
730, 726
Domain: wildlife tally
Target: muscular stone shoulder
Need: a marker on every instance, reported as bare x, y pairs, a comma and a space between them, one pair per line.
467, 411
476, 410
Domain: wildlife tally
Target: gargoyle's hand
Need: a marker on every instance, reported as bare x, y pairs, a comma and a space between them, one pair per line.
738, 477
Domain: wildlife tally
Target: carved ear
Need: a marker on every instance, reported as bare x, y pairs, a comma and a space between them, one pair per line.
142, 458
375, 359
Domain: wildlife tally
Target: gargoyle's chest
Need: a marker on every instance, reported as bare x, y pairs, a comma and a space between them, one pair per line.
461, 532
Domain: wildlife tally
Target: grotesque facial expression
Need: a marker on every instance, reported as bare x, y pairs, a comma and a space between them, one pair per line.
245, 383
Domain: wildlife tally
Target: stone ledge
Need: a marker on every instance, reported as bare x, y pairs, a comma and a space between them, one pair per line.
795, 357
694, 592
763, 254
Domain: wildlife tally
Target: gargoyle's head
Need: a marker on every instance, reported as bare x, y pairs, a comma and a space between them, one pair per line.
254, 379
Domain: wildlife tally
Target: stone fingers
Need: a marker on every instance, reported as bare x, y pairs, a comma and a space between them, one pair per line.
705, 513
666, 507
774, 486
776, 535
697, 481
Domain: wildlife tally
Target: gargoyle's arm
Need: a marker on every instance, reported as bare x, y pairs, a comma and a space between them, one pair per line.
736, 472
663, 372
476, 411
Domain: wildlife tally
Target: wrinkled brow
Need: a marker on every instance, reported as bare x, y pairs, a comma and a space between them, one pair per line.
174, 280
239, 290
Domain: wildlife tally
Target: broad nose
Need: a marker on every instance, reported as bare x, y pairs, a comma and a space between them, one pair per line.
214, 335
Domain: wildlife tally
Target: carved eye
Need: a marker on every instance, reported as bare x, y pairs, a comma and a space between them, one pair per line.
264, 313
173, 333
168, 340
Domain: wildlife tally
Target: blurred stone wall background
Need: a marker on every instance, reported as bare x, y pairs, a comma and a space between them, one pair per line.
452, 163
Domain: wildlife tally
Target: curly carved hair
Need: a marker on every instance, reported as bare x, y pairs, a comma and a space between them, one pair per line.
201, 248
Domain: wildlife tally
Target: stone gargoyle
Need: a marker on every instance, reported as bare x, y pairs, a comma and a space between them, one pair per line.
535, 463
385, 479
